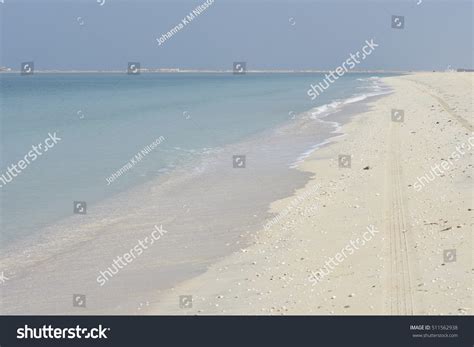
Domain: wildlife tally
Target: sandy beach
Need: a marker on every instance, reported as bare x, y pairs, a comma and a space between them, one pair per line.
387, 233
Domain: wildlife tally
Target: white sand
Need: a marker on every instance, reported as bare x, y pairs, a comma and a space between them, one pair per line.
401, 270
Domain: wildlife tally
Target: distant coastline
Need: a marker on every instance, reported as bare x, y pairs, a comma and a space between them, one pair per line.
177, 71
227, 71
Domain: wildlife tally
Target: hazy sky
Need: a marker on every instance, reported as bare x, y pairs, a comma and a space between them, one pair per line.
321, 34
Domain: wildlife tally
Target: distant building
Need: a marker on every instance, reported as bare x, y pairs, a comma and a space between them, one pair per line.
4, 69
465, 70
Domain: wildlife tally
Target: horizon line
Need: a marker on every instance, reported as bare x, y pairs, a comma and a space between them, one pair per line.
217, 71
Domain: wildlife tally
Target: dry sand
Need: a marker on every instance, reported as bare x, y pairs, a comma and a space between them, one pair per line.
402, 268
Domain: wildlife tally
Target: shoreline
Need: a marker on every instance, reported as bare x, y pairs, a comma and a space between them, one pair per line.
77, 238
401, 270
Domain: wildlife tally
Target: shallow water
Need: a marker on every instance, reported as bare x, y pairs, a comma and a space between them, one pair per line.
188, 183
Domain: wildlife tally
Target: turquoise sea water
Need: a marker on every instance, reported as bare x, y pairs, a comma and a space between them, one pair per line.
103, 120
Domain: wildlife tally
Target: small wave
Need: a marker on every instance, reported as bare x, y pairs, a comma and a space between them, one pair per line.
376, 88
325, 109
301, 158
337, 130
355, 98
